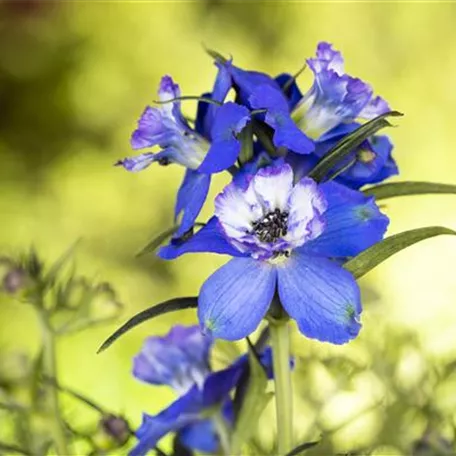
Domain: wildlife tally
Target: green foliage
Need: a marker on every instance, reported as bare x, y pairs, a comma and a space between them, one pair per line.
394, 189
255, 400
173, 305
375, 255
348, 143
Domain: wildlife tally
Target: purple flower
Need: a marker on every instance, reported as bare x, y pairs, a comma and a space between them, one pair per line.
284, 237
199, 151
334, 97
181, 360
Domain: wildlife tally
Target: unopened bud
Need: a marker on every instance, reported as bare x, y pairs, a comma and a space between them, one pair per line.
14, 280
113, 432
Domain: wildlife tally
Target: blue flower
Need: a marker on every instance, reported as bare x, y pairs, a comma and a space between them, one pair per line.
259, 91
181, 360
286, 237
334, 97
166, 128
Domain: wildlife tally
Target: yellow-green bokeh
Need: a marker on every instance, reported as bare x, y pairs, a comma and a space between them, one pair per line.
117, 53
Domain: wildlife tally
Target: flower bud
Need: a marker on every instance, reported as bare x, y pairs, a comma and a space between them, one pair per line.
113, 432
14, 280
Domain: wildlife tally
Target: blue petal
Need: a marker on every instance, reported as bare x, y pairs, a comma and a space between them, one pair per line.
202, 123
137, 163
287, 134
293, 93
235, 298
190, 199
142, 161
207, 239
270, 98
179, 359
151, 129
376, 107
247, 81
220, 90
221, 155
322, 297
353, 223
200, 436
218, 385
179, 414
230, 119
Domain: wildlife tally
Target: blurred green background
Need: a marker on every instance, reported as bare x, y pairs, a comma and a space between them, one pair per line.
75, 76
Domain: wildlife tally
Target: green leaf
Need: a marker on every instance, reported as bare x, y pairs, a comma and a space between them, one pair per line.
300, 449
172, 305
241, 389
157, 241
409, 188
162, 237
246, 137
254, 402
373, 256
216, 55
348, 143
12, 449
53, 273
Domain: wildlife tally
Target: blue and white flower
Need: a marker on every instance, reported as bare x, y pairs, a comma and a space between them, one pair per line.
286, 237
166, 128
334, 97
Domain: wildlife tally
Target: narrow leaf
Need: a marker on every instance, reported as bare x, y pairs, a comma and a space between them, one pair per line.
157, 241
172, 305
373, 256
78, 396
216, 55
409, 188
241, 389
12, 449
162, 237
300, 449
254, 402
54, 271
348, 143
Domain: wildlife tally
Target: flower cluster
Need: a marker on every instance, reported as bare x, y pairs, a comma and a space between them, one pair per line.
297, 220
288, 233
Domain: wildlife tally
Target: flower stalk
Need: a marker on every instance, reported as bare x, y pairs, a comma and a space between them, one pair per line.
280, 342
223, 432
49, 369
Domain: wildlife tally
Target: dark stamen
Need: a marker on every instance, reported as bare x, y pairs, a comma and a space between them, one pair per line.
272, 226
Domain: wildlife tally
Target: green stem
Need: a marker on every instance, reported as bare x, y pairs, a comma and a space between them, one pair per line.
223, 432
280, 342
49, 370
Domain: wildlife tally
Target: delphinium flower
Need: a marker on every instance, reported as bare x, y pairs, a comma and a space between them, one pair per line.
328, 111
180, 360
334, 97
286, 237
165, 126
